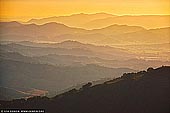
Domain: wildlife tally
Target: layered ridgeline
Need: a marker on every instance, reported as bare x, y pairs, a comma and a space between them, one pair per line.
100, 20
144, 91
72, 53
110, 35
29, 69
75, 20
45, 79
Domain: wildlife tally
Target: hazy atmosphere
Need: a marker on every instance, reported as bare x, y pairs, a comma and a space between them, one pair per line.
88, 56
23, 10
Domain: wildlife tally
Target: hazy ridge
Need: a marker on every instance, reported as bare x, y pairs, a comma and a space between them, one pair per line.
50, 56
100, 20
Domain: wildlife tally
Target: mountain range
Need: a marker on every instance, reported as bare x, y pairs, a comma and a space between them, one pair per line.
72, 53
101, 20
67, 48
49, 69
76, 57
114, 34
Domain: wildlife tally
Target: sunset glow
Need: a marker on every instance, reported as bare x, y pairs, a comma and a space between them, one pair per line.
23, 10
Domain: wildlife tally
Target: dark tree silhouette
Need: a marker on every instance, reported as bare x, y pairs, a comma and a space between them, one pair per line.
131, 93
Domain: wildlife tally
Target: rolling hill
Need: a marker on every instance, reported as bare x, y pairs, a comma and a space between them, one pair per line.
152, 36
144, 91
73, 53
101, 20
145, 21
26, 74
75, 20
78, 61
68, 48
55, 32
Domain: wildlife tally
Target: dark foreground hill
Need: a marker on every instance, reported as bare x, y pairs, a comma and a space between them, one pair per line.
142, 92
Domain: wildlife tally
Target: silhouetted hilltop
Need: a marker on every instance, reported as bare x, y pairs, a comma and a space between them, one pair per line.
141, 92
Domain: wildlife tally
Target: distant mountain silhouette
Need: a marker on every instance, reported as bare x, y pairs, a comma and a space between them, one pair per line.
100, 20
35, 32
160, 35
75, 20
73, 64
117, 29
141, 20
114, 34
142, 92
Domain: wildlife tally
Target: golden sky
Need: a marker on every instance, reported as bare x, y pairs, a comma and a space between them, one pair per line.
23, 10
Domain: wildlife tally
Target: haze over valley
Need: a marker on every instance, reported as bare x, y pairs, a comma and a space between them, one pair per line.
60, 43
85, 56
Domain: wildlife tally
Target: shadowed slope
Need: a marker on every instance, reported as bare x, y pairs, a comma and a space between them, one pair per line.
142, 92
